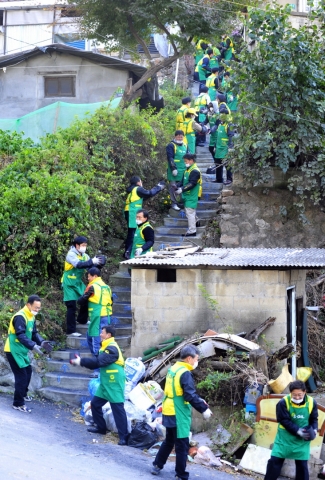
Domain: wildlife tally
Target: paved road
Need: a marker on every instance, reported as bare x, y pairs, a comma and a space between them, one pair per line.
48, 444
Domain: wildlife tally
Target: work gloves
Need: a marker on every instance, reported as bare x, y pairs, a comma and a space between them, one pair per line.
178, 191
37, 349
47, 346
75, 361
162, 184
138, 252
207, 414
95, 261
174, 172
303, 434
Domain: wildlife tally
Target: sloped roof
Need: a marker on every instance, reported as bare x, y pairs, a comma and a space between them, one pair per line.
273, 258
104, 60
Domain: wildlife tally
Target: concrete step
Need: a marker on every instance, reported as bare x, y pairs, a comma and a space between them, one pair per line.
64, 355
206, 205
181, 222
61, 366
209, 196
74, 398
121, 307
120, 279
175, 240
73, 381
78, 343
121, 294
199, 213
209, 185
121, 328
176, 230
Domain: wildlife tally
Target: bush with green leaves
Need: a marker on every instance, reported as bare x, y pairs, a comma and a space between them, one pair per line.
73, 182
281, 84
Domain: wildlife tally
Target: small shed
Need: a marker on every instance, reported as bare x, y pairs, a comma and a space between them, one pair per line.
36, 78
248, 284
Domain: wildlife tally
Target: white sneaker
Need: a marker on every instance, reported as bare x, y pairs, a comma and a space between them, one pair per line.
75, 334
175, 207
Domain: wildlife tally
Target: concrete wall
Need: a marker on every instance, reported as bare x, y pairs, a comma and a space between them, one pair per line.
22, 86
246, 298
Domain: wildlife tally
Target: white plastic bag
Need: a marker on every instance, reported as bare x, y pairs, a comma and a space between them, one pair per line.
204, 456
134, 370
109, 418
155, 390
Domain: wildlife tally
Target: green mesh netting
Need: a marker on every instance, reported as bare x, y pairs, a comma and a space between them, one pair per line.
47, 119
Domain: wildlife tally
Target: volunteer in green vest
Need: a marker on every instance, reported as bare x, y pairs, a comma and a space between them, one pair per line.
191, 190
175, 151
297, 416
200, 48
180, 397
203, 68
110, 361
212, 84
144, 236
136, 195
98, 298
201, 106
228, 50
214, 60
181, 112
73, 287
23, 338
191, 128
224, 136
213, 119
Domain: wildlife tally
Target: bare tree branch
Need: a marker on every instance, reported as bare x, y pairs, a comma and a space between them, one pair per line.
138, 38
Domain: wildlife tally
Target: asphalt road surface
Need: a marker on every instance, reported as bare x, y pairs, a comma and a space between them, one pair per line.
49, 445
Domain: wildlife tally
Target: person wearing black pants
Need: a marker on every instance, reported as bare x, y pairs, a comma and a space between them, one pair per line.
118, 413
275, 465
22, 380
219, 170
112, 383
180, 397
22, 338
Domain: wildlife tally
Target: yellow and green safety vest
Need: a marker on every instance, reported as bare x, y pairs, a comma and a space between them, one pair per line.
180, 151
99, 305
211, 86
191, 197
139, 240
189, 134
174, 403
112, 377
133, 203
200, 70
287, 445
180, 117
13, 345
72, 284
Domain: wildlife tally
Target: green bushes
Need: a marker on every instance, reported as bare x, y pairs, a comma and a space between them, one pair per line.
73, 182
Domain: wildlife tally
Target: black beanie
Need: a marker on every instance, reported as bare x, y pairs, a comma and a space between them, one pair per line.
79, 240
186, 100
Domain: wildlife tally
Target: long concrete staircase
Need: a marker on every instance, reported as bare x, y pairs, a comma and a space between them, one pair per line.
69, 384
175, 223
62, 381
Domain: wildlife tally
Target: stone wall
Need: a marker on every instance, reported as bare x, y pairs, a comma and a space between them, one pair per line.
246, 298
265, 217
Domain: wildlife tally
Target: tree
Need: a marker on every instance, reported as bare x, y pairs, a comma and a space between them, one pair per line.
125, 24
282, 94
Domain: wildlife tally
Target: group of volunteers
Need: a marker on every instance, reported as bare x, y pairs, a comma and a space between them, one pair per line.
297, 412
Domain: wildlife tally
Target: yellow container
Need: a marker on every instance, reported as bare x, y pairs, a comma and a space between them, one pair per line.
303, 373
280, 384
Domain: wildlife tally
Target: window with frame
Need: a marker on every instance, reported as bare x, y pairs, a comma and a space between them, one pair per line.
63, 86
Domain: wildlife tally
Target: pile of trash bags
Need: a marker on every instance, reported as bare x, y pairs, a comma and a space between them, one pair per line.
143, 407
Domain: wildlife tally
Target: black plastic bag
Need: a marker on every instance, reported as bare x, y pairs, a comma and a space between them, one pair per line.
142, 436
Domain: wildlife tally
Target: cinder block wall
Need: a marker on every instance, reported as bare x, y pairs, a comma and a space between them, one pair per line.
246, 298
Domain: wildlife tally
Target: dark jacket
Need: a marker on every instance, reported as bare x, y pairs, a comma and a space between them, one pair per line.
283, 417
19, 324
190, 395
143, 193
170, 151
102, 360
194, 177
149, 236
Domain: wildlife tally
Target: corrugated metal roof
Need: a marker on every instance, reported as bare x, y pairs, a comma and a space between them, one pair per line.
238, 257
103, 60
